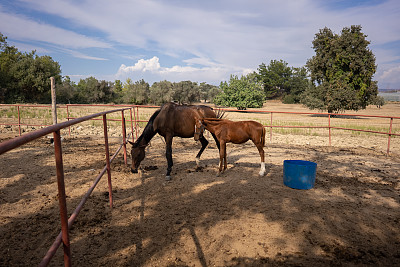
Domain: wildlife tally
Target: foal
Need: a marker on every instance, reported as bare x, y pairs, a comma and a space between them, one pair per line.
237, 132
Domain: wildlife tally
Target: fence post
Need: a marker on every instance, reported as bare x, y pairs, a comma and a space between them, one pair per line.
270, 130
389, 136
133, 136
53, 100
135, 117
124, 137
107, 160
69, 128
62, 198
19, 122
329, 126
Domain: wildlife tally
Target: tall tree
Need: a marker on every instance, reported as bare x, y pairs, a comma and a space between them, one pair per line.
90, 90
66, 91
342, 71
161, 92
275, 78
298, 82
208, 91
25, 77
118, 92
186, 92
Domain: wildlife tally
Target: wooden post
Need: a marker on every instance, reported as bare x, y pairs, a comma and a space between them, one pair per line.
53, 100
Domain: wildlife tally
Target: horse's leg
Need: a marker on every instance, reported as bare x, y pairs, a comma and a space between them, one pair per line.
168, 155
222, 157
260, 148
204, 144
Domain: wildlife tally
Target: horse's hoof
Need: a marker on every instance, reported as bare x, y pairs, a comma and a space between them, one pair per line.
261, 173
168, 178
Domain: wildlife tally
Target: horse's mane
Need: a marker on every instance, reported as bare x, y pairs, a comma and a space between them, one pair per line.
214, 121
148, 132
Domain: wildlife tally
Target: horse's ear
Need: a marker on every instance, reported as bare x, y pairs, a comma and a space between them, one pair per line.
132, 143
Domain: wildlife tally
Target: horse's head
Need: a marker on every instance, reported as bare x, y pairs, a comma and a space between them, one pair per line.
198, 129
137, 153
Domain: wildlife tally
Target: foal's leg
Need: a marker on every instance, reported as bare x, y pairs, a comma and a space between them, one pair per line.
204, 144
222, 157
216, 141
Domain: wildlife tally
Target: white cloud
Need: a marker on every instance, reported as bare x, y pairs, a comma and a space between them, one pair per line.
83, 56
23, 28
393, 73
142, 65
389, 78
152, 71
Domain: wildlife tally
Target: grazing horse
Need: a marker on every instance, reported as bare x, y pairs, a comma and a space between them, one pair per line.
236, 132
169, 121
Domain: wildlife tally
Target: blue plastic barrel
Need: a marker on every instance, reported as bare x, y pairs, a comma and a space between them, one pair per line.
299, 174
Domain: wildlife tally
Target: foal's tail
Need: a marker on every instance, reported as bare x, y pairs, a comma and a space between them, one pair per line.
263, 136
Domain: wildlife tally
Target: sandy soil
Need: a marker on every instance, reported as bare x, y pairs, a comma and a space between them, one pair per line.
350, 218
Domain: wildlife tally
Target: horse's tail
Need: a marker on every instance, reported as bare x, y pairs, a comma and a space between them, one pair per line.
263, 136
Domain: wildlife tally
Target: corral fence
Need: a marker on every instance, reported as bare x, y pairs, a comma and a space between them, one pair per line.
134, 120
66, 222
268, 121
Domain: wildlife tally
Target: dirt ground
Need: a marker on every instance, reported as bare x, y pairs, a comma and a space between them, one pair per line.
350, 217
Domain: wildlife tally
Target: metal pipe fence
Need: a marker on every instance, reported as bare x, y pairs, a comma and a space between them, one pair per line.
66, 223
135, 119
329, 126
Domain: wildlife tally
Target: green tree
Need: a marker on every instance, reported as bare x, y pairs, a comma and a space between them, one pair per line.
297, 84
33, 73
275, 78
90, 90
161, 92
342, 71
66, 91
25, 77
9, 56
136, 92
186, 92
208, 91
242, 93
118, 91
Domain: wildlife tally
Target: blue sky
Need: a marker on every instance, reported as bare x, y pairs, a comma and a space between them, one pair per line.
202, 41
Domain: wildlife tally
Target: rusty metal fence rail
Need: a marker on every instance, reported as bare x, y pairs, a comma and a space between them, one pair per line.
330, 117
66, 222
135, 119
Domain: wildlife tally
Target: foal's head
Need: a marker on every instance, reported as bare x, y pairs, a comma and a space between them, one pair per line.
138, 153
198, 129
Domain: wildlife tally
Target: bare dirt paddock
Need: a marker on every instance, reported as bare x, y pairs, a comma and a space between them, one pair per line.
350, 218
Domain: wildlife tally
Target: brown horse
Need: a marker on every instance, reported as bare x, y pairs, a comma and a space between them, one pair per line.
169, 121
236, 132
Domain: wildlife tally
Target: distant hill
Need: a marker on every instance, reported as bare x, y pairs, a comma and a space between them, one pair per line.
389, 90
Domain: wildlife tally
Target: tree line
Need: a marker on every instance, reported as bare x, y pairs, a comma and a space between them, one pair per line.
337, 78
91, 90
